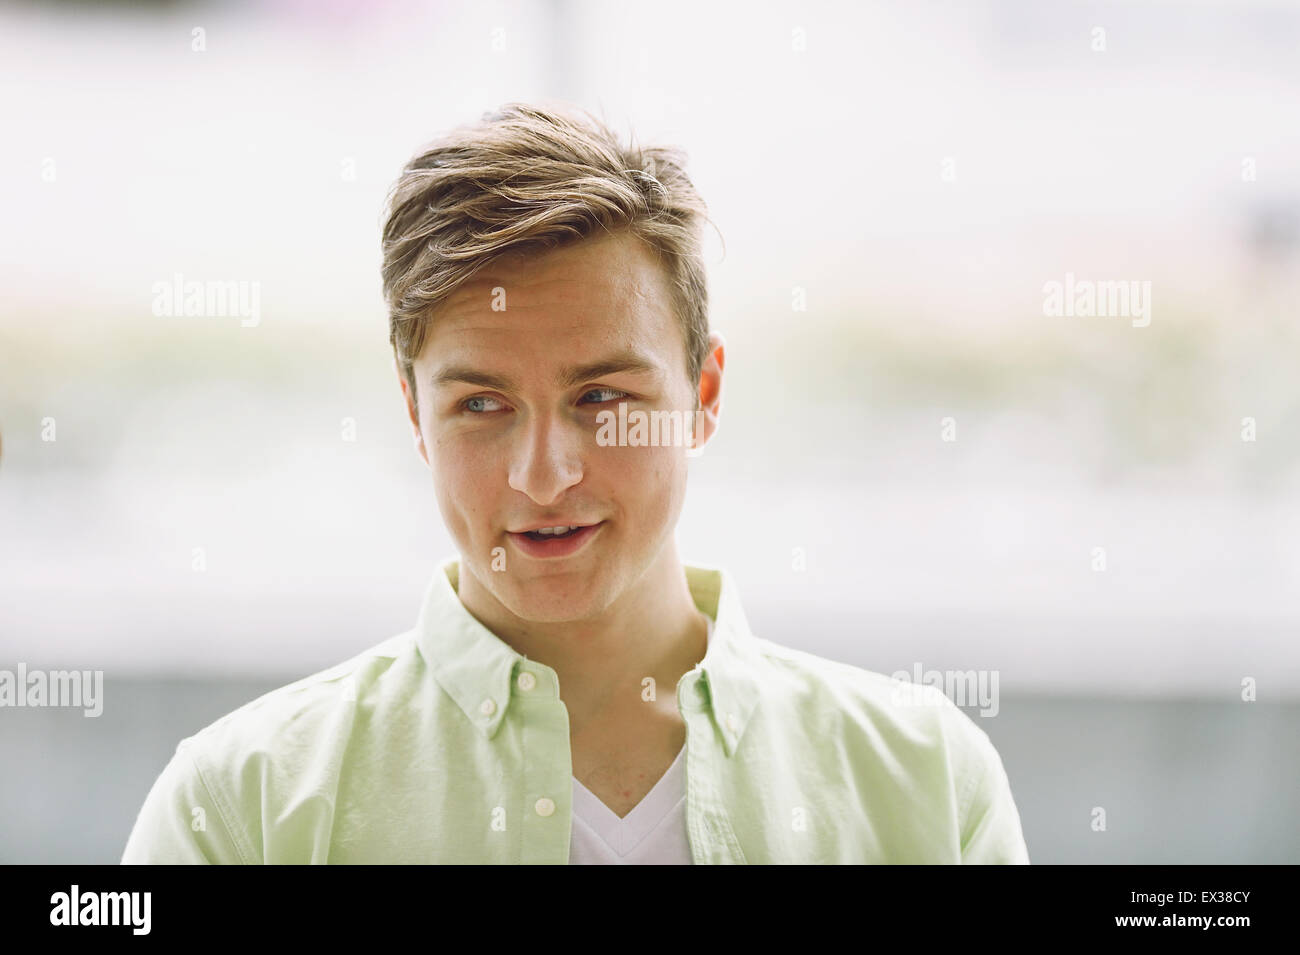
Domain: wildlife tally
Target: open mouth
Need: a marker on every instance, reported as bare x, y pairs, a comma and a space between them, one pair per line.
555, 541
551, 533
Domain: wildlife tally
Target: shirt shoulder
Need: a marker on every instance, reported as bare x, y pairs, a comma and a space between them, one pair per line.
925, 739
887, 703
310, 700
283, 749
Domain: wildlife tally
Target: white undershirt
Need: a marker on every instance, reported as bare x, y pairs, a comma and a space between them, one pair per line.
653, 833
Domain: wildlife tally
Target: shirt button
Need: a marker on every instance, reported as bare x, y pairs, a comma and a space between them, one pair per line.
733, 724
527, 681
544, 806
488, 707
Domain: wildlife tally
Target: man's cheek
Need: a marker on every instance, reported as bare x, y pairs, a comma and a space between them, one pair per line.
665, 468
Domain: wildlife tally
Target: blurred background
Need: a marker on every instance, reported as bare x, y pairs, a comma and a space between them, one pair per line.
916, 464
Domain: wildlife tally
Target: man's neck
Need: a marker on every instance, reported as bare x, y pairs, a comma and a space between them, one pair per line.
652, 630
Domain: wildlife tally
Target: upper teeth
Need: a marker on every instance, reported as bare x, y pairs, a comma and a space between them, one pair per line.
554, 530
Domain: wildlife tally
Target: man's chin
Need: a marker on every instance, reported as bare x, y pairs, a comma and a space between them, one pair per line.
553, 599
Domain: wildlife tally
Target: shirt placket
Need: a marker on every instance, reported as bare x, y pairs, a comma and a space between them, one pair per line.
708, 828
546, 793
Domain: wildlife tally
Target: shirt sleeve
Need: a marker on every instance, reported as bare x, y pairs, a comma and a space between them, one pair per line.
990, 823
181, 822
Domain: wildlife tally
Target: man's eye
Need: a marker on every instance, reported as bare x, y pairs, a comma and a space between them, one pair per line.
605, 391
485, 404
469, 404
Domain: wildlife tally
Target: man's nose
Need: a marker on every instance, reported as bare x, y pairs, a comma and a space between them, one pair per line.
547, 460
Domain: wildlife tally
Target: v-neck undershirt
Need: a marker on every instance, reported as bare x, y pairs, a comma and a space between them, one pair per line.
653, 833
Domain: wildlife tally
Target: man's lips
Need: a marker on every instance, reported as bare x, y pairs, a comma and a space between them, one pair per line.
555, 545
539, 525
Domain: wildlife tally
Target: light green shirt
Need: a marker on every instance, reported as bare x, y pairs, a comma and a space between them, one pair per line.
444, 745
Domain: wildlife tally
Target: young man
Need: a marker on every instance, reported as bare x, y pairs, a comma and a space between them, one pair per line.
571, 692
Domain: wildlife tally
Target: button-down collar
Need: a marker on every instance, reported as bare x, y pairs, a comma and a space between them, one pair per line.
478, 669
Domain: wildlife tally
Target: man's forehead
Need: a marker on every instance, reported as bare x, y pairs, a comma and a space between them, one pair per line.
617, 265
526, 325
573, 305
595, 305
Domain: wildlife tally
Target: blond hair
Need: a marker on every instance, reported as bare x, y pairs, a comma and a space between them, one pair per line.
529, 178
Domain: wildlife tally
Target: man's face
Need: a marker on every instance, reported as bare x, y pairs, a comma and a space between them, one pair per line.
508, 424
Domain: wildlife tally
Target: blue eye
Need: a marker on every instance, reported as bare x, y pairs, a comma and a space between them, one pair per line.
465, 404
611, 391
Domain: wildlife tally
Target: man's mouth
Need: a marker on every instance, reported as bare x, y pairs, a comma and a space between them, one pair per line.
553, 533
558, 541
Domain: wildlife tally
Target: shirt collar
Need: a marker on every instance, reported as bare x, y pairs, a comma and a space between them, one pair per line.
479, 670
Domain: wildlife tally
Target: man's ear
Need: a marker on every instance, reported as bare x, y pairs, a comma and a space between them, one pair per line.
412, 412
710, 396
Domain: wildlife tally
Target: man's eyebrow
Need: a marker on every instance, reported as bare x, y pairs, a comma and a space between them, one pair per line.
625, 361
